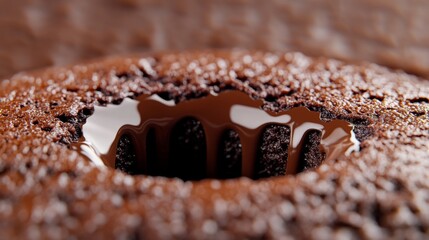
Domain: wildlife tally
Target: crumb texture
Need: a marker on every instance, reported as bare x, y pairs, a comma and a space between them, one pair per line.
382, 192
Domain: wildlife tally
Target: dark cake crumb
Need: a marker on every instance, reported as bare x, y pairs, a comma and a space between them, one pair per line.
188, 150
230, 150
126, 159
311, 154
273, 154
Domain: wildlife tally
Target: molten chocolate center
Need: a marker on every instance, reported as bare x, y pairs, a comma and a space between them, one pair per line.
150, 135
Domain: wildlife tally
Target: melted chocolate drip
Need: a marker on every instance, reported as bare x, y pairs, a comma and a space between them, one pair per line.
149, 122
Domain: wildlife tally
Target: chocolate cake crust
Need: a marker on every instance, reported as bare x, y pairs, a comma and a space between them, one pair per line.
48, 190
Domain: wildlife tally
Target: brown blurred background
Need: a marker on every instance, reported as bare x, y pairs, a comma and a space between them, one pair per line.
38, 33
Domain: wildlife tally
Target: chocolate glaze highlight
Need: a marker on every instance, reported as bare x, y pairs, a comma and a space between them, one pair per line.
217, 113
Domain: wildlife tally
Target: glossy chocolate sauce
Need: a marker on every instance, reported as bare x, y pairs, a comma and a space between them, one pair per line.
217, 113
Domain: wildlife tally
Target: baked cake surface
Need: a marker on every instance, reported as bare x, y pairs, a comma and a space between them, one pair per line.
48, 190
49, 32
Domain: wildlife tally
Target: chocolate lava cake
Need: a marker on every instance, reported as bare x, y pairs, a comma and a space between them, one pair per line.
49, 189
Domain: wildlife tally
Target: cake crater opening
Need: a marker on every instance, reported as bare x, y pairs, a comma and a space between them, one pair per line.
224, 135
